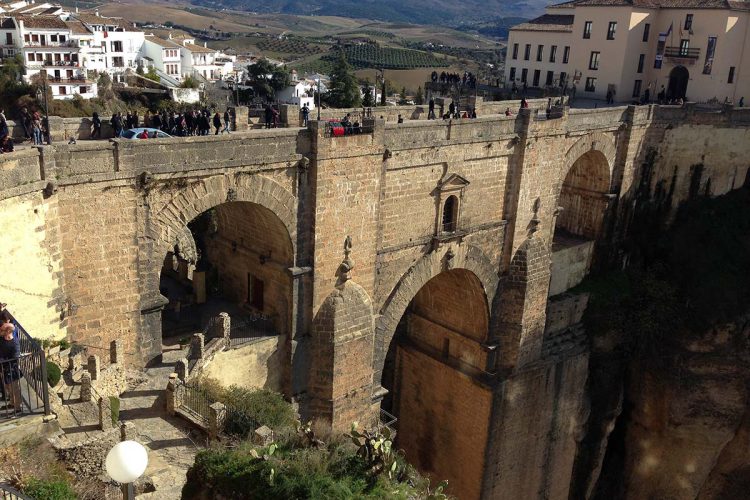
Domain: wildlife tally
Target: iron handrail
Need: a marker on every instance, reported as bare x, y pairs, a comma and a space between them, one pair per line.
31, 366
7, 492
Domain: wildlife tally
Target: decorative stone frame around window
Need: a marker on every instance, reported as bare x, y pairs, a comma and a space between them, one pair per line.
449, 195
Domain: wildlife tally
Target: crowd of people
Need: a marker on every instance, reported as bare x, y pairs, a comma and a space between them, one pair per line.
467, 80
180, 124
454, 111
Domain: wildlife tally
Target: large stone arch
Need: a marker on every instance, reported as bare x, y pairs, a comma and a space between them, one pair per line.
466, 257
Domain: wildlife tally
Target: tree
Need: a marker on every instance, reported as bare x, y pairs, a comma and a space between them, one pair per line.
419, 98
368, 100
402, 100
189, 83
266, 78
344, 89
151, 74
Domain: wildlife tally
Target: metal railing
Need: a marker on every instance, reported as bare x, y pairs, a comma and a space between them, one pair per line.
193, 399
25, 389
250, 327
48, 44
387, 420
9, 493
680, 52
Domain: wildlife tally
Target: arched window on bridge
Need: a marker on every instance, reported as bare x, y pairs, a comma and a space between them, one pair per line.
450, 214
449, 193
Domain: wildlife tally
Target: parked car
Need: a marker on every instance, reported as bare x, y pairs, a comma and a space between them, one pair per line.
137, 133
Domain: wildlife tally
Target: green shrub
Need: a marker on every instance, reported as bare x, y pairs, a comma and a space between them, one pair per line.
254, 407
53, 374
114, 403
53, 489
291, 470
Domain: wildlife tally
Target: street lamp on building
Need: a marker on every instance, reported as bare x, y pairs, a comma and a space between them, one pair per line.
41, 96
126, 462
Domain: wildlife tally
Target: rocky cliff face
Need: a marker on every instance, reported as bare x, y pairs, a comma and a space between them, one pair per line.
670, 395
684, 430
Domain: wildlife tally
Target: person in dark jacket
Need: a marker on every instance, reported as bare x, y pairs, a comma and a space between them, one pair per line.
227, 122
217, 123
4, 130
268, 115
96, 124
10, 352
116, 122
26, 123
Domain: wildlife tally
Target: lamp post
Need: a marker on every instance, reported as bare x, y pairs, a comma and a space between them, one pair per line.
41, 95
318, 98
382, 83
126, 462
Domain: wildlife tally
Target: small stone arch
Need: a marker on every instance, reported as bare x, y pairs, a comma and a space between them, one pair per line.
584, 185
597, 142
466, 257
166, 228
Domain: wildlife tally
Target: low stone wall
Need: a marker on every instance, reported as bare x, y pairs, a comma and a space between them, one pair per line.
565, 310
569, 266
253, 365
85, 458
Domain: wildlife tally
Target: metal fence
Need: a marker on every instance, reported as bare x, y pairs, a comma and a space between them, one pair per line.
387, 420
9, 493
24, 388
249, 328
195, 404
194, 401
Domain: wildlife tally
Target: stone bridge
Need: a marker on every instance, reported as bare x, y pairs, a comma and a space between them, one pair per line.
422, 268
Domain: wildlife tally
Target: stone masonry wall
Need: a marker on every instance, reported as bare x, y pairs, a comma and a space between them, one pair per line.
107, 214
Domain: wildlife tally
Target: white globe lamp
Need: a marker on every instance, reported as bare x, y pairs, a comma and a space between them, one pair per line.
126, 462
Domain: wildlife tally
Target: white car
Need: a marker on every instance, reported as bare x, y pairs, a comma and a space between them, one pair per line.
153, 133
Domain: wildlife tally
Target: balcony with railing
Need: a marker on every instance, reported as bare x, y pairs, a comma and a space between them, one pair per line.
68, 44
53, 64
682, 53
25, 378
68, 80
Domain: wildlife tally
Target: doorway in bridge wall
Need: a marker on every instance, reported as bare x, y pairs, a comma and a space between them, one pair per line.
678, 82
434, 373
233, 258
582, 206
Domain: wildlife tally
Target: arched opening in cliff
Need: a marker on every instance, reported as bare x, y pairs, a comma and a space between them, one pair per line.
433, 372
581, 210
242, 254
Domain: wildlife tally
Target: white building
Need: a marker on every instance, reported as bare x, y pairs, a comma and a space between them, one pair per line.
50, 48
298, 90
116, 45
164, 56
692, 49
204, 62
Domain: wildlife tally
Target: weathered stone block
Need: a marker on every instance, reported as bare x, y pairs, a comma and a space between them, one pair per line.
94, 367
263, 436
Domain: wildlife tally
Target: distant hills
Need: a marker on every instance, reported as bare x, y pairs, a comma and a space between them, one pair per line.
442, 12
